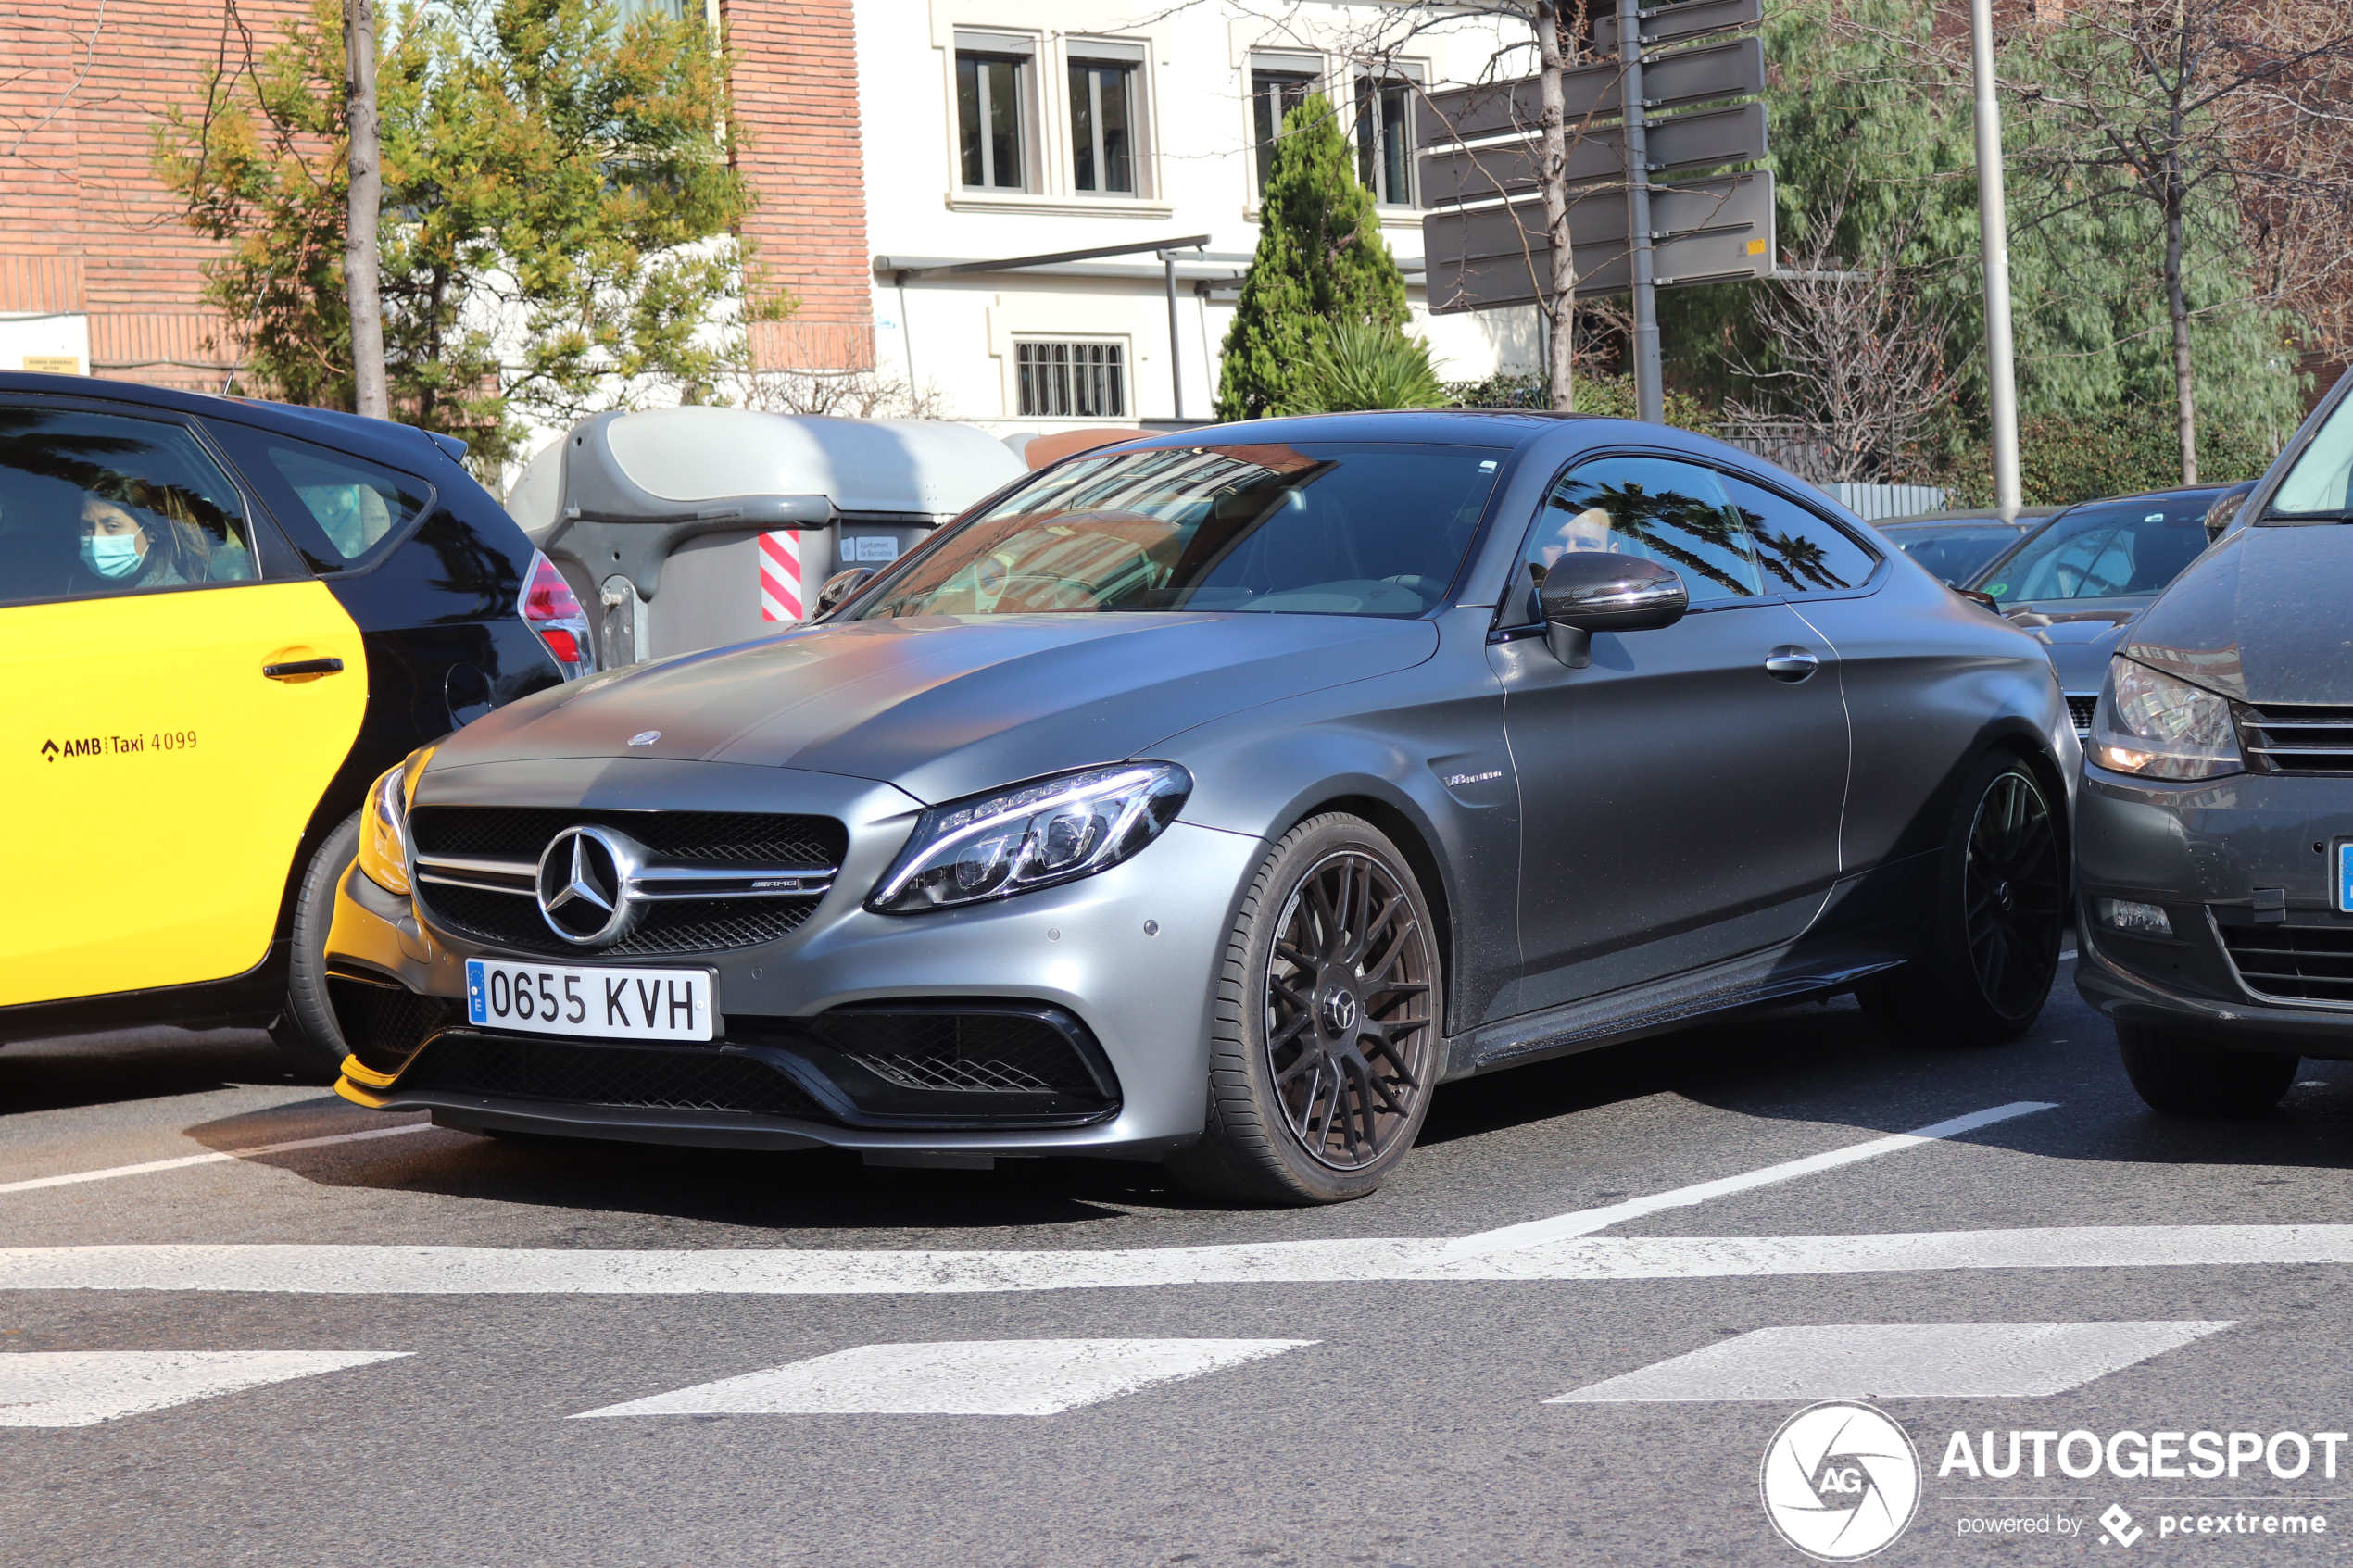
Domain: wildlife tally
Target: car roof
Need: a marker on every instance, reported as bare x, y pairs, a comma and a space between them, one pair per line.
1510, 427
394, 443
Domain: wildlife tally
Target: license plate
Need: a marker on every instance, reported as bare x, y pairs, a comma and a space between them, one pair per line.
595, 1004
2344, 875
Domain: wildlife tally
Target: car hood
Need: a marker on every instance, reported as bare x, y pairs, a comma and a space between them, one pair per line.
2079, 640
946, 705
2261, 616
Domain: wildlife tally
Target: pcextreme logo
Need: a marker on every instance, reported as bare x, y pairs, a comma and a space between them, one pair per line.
1839, 1481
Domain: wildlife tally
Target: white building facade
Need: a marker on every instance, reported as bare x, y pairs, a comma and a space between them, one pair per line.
998, 129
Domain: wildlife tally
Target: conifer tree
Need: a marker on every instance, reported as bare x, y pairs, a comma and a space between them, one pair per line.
1320, 259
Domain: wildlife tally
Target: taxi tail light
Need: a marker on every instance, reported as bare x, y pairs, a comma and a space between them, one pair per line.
551, 608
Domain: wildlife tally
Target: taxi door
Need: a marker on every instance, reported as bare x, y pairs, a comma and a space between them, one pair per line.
171, 718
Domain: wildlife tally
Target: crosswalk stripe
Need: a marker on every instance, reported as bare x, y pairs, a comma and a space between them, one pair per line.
148, 1167
333, 1269
1585, 1222
85, 1387
959, 1377
1931, 1361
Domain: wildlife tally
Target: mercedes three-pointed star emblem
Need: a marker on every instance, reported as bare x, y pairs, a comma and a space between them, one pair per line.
583, 885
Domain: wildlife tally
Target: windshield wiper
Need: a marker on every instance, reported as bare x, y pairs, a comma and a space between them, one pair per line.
2341, 515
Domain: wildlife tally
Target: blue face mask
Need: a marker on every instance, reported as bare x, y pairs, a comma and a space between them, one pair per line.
110, 555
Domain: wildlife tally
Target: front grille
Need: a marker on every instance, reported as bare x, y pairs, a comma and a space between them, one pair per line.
755, 837
383, 1024
2299, 739
671, 1078
685, 925
2310, 963
967, 1052
2080, 709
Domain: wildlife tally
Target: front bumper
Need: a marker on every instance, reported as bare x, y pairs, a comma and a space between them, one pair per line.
2252, 961
1130, 956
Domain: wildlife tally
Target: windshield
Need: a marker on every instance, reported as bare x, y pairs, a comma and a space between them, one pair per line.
1953, 552
2112, 550
1311, 528
2321, 484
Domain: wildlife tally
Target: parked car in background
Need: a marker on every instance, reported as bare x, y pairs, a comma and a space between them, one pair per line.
2215, 823
1953, 547
220, 620
1215, 799
2075, 581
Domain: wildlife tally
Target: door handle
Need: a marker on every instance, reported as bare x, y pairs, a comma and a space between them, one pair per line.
1789, 662
303, 668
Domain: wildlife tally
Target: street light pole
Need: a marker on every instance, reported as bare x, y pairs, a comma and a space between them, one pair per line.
1175, 364
1649, 395
1993, 241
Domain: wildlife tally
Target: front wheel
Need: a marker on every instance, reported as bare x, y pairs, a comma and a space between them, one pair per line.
2182, 1075
1994, 932
1326, 1041
306, 1031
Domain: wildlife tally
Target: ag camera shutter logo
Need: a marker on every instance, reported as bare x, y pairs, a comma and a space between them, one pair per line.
1839, 1481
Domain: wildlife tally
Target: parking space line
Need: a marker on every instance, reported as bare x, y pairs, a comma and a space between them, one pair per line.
85, 1387
215, 1158
341, 1270
959, 1377
1923, 1361
1584, 1221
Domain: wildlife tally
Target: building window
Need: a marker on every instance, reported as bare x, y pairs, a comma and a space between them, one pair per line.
1385, 138
1071, 381
1274, 94
991, 124
1102, 125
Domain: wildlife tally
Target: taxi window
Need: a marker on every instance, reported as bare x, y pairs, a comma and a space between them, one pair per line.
343, 513
1676, 514
354, 505
98, 505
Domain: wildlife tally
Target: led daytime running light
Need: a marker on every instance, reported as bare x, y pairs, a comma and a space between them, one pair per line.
1039, 840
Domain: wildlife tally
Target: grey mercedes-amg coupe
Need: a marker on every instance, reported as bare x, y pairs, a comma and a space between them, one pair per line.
1214, 799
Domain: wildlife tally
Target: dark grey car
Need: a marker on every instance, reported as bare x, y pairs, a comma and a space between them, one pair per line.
2075, 583
1214, 799
2217, 809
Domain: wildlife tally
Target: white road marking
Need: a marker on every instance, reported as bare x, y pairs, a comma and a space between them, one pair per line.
484, 1271
85, 1387
1928, 1361
959, 1377
1587, 1220
184, 1161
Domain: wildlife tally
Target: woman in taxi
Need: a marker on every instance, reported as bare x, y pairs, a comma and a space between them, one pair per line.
126, 546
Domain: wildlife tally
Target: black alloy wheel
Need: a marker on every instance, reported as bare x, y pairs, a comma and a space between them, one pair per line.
1996, 915
1326, 1036
2012, 896
1349, 1036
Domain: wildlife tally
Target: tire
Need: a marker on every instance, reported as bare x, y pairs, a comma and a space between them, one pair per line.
1995, 927
305, 1030
1318, 1086
2186, 1076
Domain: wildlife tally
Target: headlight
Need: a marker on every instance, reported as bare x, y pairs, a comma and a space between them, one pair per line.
383, 825
2161, 728
1056, 829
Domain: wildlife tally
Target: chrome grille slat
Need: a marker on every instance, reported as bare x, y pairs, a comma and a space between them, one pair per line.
2299, 739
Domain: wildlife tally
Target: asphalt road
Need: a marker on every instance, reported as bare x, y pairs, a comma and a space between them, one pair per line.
1358, 1385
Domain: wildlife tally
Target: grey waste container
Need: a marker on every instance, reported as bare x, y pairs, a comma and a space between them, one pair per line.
692, 528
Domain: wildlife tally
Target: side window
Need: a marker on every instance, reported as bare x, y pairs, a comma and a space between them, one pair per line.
1674, 513
1798, 550
341, 510
99, 505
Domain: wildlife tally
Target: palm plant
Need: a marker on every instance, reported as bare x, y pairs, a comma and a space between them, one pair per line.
1366, 365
